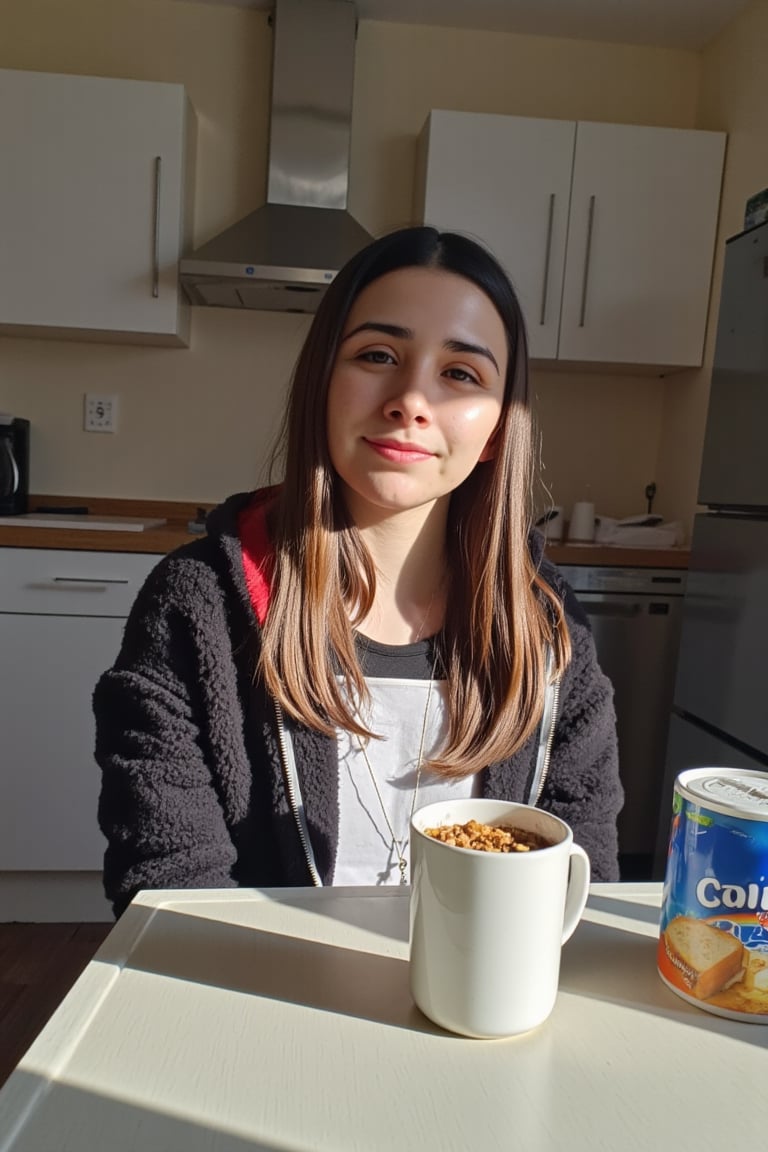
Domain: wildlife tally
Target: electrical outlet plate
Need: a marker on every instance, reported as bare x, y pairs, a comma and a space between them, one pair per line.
100, 412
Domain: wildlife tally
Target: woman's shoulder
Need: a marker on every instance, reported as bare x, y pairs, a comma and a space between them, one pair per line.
210, 565
583, 675
549, 572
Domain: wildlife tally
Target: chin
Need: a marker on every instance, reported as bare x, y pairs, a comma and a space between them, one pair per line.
387, 499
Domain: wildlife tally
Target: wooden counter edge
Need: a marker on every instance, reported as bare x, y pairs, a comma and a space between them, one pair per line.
157, 541
178, 513
607, 555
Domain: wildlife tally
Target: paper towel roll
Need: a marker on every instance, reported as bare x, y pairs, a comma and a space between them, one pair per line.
582, 524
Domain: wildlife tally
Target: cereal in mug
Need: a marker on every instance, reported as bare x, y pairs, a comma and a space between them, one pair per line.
486, 837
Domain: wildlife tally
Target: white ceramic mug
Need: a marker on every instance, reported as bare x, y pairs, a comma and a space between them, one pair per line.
582, 522
487, 927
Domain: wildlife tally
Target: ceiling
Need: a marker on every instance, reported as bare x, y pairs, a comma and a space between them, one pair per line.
672, 23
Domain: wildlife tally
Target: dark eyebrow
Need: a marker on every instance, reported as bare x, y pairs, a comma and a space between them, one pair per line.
387, 329
480, 349
408, 334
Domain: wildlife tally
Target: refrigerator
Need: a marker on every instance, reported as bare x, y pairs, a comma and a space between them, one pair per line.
720, 710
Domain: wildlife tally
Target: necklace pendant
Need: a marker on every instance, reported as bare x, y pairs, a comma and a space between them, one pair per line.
402, 866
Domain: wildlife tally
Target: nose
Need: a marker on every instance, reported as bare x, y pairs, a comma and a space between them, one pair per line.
408, 401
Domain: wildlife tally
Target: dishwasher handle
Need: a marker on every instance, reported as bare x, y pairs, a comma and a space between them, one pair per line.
627, 609
624, 609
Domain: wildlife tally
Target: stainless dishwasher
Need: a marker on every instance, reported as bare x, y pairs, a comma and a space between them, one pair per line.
636, 617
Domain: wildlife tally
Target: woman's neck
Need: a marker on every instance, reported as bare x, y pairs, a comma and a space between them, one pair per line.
408, 551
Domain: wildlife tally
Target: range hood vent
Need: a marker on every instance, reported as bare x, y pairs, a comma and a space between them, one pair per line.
283, 256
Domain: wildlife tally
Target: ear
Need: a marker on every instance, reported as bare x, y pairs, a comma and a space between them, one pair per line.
489, 451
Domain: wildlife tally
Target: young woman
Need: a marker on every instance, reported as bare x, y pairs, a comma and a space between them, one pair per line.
378, 631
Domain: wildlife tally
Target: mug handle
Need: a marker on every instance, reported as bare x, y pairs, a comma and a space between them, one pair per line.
578, 891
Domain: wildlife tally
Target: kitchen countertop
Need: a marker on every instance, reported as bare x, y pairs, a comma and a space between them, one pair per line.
177, 514
158, 540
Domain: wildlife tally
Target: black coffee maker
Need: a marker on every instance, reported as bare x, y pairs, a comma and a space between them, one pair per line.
14, 465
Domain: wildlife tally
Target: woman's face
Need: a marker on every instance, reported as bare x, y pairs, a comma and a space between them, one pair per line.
416, 390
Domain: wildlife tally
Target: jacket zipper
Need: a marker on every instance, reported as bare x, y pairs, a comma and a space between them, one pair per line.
548, 722
550, 741
290, 777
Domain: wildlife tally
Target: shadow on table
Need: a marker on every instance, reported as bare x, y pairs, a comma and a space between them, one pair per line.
65, 1116
262, 963
629, 976
360, 907
613, 962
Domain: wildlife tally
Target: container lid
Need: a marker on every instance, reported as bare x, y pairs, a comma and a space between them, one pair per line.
734, 790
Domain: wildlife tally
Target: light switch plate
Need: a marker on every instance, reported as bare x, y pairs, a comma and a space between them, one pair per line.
100, 413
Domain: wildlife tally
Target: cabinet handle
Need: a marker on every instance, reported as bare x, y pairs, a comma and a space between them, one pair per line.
547, 253
156, 261
590, 222
88, 580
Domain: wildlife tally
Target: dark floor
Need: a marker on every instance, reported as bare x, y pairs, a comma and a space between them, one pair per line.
635, 867
39, 963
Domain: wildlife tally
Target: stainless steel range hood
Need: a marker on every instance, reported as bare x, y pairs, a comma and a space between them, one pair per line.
283, 256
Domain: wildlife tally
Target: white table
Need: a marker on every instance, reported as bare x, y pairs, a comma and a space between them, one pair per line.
281, 1020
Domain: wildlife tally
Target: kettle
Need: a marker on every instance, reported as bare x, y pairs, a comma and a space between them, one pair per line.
14, 465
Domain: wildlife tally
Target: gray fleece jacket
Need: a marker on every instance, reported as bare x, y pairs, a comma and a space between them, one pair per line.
193, 782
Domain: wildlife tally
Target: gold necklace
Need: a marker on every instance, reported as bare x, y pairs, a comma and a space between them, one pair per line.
399, 845
426, 614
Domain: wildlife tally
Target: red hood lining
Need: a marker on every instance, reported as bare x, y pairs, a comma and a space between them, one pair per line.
257, 552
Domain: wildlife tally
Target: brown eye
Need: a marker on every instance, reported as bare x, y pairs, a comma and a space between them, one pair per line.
377, 356
462, 375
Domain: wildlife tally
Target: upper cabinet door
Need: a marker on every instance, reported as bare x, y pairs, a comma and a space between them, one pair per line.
644, 206
92, 200
505, 180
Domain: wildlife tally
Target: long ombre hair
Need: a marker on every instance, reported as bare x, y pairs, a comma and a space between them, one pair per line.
501, 619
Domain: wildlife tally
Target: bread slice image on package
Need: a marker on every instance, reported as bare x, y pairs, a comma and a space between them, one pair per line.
756, 973
707, 958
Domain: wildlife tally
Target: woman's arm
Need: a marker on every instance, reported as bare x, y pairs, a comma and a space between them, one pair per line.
583, 785
158, 808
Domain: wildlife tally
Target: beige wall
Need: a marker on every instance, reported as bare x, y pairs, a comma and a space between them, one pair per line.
195, 424
732, 99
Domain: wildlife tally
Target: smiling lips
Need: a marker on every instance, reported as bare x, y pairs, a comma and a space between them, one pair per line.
400, 452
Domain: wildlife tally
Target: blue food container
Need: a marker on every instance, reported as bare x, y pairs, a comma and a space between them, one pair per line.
713, 940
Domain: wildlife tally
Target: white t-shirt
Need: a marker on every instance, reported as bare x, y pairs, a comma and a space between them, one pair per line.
366, 853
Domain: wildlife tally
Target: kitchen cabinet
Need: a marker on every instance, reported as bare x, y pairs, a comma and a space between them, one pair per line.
607, 230
94, 207
477, 174
62, 615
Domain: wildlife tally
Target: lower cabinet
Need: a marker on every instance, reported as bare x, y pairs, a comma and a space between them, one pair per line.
62, 615
49, 666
